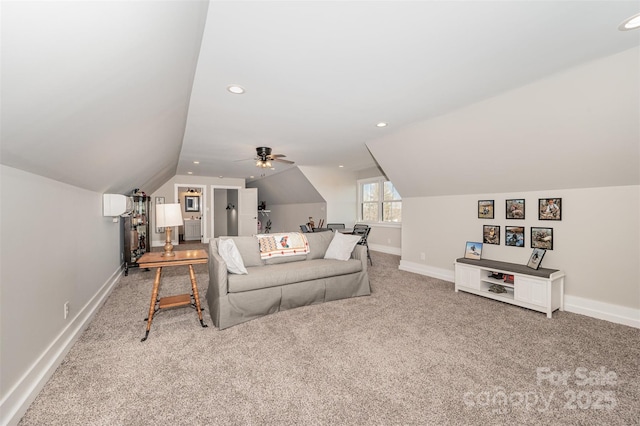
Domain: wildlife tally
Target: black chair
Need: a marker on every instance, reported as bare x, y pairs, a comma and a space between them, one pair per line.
333, 226
363, 231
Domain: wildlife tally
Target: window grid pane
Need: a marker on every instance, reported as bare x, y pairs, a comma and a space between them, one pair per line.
390, 192
392, 211
370, 191
370, 212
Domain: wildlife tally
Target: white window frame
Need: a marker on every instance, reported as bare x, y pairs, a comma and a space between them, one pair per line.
380, 180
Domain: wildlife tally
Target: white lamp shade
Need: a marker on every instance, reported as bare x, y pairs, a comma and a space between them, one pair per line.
168, 215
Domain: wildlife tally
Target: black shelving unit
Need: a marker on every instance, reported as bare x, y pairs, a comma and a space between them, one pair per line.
136, 232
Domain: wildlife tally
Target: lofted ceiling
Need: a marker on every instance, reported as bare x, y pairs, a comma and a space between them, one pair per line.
110, 96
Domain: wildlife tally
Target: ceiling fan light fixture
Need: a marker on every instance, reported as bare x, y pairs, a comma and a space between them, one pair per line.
631, 23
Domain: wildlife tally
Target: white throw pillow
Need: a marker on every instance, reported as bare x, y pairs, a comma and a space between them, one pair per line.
230, 254
341, 246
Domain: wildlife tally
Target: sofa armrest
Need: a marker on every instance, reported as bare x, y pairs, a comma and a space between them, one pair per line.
360, 253
218, 283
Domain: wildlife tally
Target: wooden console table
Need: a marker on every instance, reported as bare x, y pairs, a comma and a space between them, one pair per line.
183, 257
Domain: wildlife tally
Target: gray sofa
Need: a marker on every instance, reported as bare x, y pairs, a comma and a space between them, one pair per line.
281, 283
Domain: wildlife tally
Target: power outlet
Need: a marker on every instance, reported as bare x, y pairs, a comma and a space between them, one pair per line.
66, 309
423, 256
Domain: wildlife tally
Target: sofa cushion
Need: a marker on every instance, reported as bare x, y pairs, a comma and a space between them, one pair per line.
248, 248
285, 259
231, 256
318, 243
293, 272
341, 246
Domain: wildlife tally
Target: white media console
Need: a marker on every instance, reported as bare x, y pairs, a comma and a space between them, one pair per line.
537, 289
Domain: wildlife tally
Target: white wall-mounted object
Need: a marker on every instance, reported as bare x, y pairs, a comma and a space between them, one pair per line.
116, 204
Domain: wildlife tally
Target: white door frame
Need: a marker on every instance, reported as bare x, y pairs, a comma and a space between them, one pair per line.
204, 209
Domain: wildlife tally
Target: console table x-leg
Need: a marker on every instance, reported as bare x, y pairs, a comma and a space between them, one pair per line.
186, 257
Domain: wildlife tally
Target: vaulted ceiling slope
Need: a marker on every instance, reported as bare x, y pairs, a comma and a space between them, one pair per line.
114, 95
95, 94
298, 188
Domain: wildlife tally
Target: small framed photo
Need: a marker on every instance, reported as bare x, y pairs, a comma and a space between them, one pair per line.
473, 250
514, 236
542, 238
515, 208
491, 234
485, 209
550, 208
536, 258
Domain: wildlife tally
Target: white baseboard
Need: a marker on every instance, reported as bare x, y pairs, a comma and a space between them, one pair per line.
386, 249
18, 399
605, 311
577, 305
430, 271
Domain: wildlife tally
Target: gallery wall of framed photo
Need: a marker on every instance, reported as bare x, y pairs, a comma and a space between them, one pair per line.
520, 223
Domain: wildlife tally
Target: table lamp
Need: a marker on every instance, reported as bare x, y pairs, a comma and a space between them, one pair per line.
168, 216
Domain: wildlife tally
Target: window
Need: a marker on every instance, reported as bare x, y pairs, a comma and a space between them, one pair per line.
379, 201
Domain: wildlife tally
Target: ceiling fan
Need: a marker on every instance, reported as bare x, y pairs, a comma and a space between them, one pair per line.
265, 157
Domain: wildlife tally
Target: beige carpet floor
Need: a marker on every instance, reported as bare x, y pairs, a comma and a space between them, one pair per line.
413, 353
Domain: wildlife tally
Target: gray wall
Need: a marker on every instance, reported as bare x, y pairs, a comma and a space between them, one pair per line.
289, 217
56, 247
597, 248
288, 187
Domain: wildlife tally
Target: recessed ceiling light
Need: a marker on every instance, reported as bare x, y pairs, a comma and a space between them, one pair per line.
630, 23
235, 89
189, 173
382, 124
340, 166
251, 177
196, 162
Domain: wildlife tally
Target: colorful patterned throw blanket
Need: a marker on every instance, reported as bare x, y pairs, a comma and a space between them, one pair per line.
283, 244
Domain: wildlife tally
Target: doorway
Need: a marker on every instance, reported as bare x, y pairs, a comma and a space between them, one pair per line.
234, 211
225, 211
193, 201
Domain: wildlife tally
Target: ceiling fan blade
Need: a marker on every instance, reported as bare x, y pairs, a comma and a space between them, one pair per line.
273, 156
283, 161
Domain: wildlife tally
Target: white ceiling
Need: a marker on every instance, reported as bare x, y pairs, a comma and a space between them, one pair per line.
110, 96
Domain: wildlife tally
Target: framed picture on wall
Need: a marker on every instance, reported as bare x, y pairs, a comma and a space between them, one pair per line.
514, 236
550, 208
491, 234
542, 238
159, 229
192, 203
515, 208
485, 209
